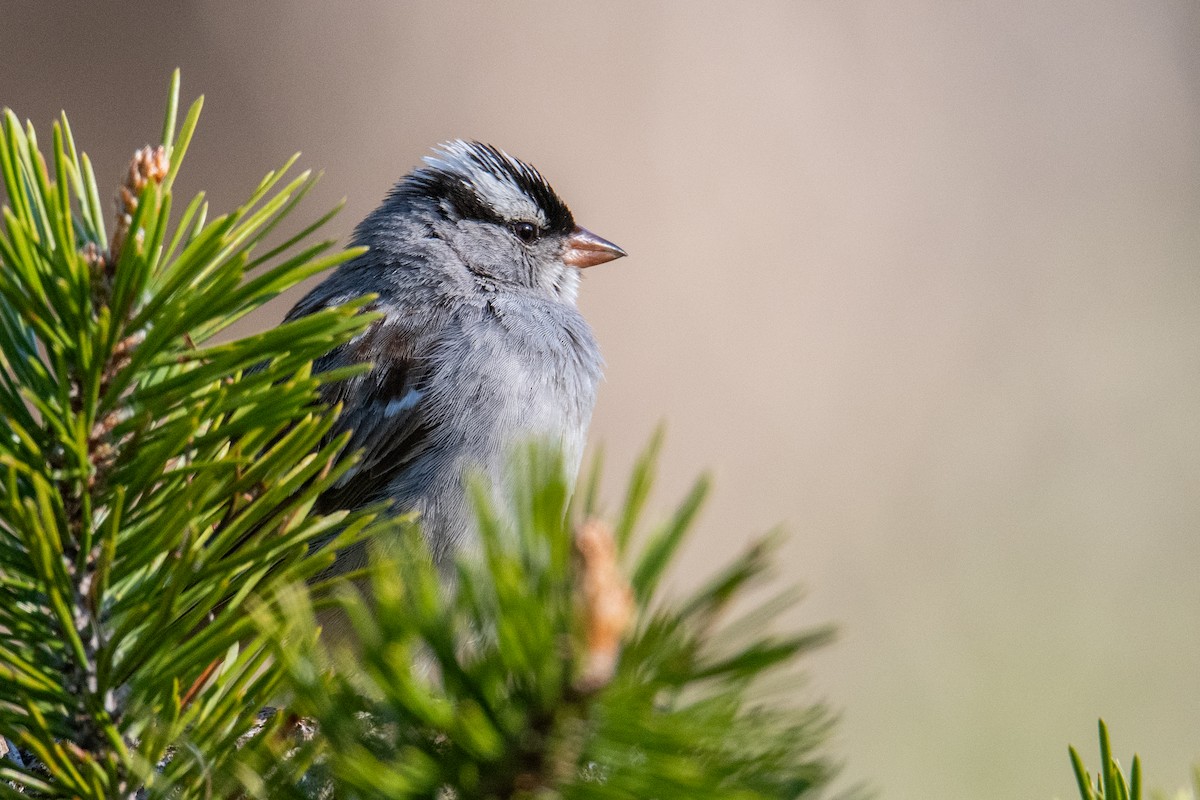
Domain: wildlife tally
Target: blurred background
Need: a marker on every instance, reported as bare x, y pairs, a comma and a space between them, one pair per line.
917, 280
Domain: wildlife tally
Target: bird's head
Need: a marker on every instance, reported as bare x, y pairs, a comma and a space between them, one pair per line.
500, 218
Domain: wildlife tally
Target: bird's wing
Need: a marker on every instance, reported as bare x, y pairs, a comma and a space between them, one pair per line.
385, 410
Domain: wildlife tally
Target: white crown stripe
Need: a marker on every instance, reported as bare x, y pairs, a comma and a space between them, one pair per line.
493, 175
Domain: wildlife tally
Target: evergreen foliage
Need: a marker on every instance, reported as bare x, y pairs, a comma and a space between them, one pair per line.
157, 583
1111, 783
148, 486
505, 687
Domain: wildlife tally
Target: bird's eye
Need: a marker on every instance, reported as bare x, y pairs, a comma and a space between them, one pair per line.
525, 231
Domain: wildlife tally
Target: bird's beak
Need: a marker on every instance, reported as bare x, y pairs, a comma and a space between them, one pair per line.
586, 249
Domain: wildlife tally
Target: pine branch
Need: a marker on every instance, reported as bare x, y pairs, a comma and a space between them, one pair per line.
150, 487
1111, 783
535, 676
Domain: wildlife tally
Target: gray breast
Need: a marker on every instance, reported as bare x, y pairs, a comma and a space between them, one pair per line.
500, 377
536, 367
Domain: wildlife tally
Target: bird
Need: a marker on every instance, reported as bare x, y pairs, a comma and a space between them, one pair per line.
475, 263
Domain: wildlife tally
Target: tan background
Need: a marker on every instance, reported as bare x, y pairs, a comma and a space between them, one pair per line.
917, 279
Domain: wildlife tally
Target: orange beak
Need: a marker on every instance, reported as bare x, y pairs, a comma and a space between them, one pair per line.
586, 249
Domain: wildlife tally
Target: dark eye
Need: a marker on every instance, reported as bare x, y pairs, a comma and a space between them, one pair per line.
527, 232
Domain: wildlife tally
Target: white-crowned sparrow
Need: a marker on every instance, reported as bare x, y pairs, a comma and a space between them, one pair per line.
475, 261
